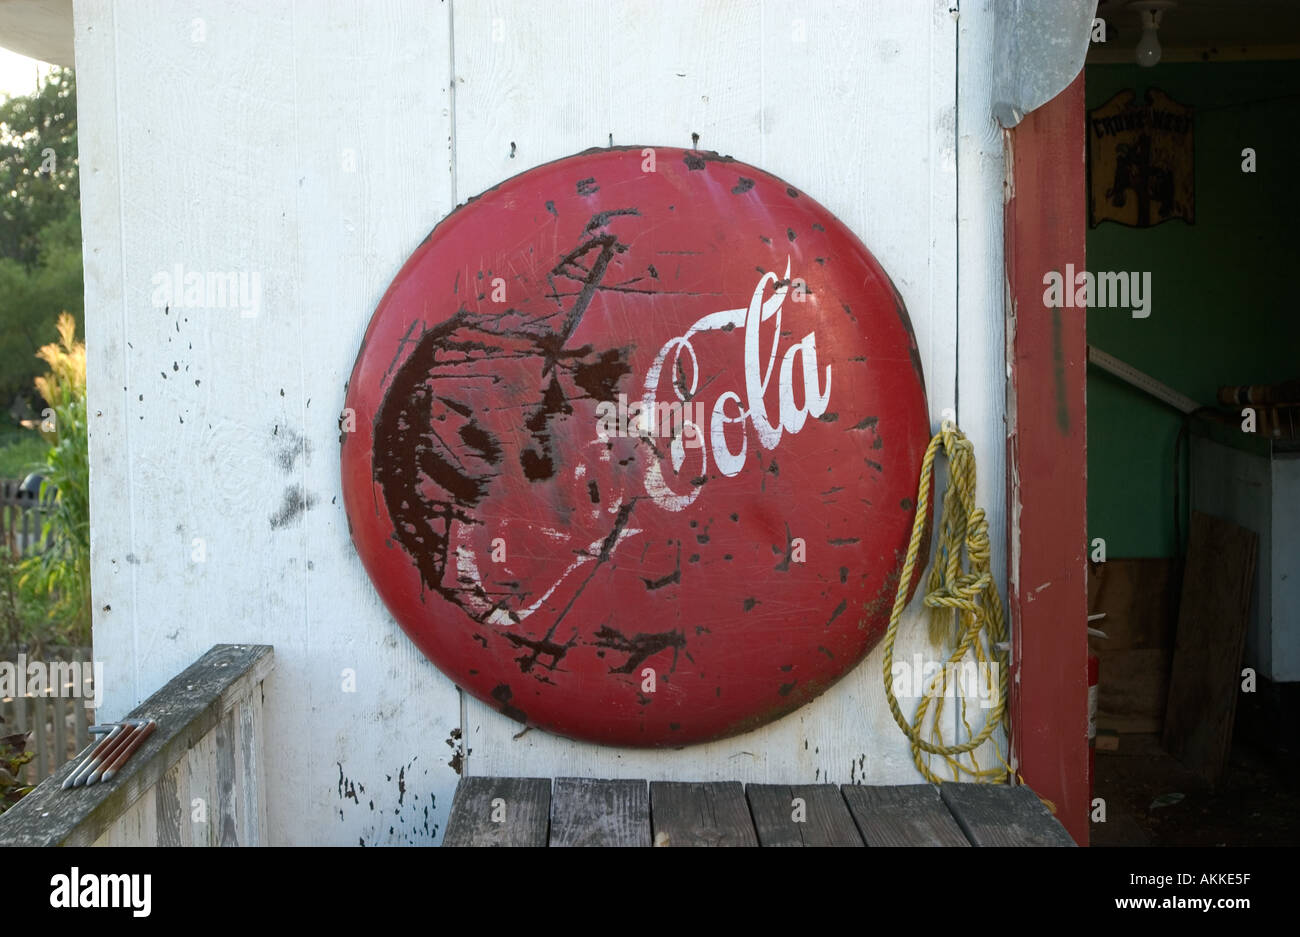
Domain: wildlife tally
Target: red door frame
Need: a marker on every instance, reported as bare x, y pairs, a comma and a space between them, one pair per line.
1046, 451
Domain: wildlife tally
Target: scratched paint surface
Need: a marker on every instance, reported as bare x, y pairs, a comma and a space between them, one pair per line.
688, 581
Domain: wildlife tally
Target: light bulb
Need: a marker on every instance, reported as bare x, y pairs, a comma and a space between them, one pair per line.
1148, 47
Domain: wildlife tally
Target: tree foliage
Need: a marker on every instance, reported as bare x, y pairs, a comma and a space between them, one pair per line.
40, 226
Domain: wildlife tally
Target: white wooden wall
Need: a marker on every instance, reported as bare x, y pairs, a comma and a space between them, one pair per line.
315, 144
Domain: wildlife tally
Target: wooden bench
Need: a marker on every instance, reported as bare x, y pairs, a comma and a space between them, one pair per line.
588, 812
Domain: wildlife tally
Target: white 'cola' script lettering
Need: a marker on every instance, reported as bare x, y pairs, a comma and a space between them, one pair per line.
753, 409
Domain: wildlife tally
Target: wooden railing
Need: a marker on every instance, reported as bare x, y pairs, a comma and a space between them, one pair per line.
197, 781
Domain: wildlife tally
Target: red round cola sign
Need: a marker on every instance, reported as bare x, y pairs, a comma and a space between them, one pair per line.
631, 446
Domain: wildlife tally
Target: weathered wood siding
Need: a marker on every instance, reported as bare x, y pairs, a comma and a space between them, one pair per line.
211, 797
314, 145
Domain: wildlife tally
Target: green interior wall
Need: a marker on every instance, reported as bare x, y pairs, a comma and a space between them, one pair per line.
1221, 310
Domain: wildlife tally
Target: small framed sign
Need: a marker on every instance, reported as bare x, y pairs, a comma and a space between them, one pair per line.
1140, 160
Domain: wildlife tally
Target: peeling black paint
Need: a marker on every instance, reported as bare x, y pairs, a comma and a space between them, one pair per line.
502, 694
294, 504
409, 450
639, 647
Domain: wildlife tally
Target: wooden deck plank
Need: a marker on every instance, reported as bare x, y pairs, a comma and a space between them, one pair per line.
1001, 815
500, 812
700, 814
592, 812
903, 815
801, 815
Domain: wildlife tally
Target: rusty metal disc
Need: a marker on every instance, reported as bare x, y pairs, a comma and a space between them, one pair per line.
631, 446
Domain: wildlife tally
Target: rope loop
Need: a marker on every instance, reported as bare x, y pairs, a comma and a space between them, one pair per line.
965, 609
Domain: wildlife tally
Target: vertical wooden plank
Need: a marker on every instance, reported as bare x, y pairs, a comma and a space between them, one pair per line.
172, 817
40, 722
1047, 588
369, 140
801, 815
903, 815
1276, 593
59, 713
110, 837
589, 812
1212, 618
500, 812
248, 772
980, 324
99, 160
203, 806
259, 778
239, 789
227, 820
19, 709
146, 812
700, 814
80, 722
135, 826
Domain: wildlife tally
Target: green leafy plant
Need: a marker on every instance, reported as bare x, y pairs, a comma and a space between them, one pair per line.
11, 618
13, 755
60, 572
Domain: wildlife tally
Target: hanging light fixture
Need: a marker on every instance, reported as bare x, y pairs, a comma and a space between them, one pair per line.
1148, 47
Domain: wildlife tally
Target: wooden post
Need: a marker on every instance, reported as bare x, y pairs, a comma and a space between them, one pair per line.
1046, 458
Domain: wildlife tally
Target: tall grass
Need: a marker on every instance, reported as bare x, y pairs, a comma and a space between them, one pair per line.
60, 573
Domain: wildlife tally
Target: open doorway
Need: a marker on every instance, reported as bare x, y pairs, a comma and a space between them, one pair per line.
1193, 413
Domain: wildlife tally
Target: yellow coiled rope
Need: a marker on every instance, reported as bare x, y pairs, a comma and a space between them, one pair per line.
965, 609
